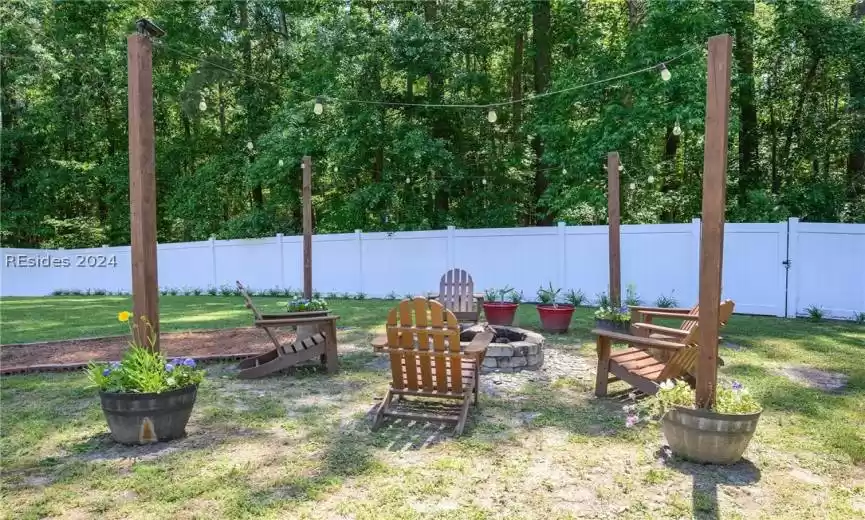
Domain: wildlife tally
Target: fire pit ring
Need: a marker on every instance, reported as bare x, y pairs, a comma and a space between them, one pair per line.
513, 349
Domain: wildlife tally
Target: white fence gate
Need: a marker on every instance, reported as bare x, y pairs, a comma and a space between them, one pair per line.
769, 269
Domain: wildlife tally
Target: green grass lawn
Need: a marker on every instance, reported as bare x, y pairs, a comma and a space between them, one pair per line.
300, 447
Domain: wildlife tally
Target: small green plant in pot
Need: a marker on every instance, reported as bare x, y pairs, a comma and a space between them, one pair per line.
315, 305
500, 305
145, 397
615, 319
555, 316
719, 435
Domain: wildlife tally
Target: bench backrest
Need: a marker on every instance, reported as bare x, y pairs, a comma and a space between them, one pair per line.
456, 291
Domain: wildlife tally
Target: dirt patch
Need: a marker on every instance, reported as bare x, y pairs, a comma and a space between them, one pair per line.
814, 378
199, 345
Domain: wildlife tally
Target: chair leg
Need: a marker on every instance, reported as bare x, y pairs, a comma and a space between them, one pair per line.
477, 384
382, 408
602, 378
464, 414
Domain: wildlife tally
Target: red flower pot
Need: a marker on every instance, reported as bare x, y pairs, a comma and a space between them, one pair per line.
556, 319
500, 313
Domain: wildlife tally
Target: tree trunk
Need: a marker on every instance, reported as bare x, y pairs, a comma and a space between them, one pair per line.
543, 64
796, 121
439, 129
248, 88
517, 84
749, 139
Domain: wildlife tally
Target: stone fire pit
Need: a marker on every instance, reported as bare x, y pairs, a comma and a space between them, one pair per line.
513, 349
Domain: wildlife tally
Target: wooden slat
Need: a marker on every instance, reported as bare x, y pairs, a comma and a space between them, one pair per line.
630, 354
420, 316
406, 319
454, 344
637, 340
306, 195
422, 416
437, 312
395, 357
613, 219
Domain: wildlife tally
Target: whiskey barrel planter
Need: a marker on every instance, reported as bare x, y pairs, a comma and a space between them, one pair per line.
613, 326
556, 318
708, 437
145, 418
500, 313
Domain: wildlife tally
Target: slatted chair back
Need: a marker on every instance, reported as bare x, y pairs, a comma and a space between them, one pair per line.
248, 300
456, 292
688, 325
423, 342
684, 361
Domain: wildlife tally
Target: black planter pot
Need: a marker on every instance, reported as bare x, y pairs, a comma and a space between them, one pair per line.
145, 418
613, 326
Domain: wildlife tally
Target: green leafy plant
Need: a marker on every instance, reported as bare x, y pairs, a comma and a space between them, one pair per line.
859, 318
666, 302
408, 296
733, 399
226, 290
815, 313
302, 305
618, 314
498, 295
360, 296
212, 291
516, 296
549, 295
602, 300
196, 291
143, 370
575, 297
632, 299
392, 295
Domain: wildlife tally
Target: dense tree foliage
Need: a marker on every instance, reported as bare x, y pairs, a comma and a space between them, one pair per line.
235, 83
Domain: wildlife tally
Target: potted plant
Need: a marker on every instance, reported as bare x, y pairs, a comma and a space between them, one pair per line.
308, 308
497, 310
555, 317
615, 319
145, 397
719, 435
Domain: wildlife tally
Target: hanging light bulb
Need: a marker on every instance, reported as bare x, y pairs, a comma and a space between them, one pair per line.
621, 167
202, 106
564, 171
632, 186
651, 179
319, 106
249, 146
281, 163
665, 72
408, 180
677, 130
484, 181
491, 116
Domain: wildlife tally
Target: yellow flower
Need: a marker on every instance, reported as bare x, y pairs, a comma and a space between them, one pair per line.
124, 316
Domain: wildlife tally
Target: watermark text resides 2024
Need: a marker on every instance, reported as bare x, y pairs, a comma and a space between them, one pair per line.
49, 260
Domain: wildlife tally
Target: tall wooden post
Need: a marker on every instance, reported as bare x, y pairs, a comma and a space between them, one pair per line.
714, 205
142, 188
614, 219
307, 227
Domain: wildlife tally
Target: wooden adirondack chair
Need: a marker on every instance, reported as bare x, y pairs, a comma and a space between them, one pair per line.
637, 367
321, 344
457, 293
427, 360
641, 325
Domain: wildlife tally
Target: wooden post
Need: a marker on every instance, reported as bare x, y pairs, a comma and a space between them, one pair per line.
142, 189
307, 227
614, 219
714, 203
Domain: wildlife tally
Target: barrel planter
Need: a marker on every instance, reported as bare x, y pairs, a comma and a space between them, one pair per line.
708, 437
556, 318
145, 418
500, 313
613, 326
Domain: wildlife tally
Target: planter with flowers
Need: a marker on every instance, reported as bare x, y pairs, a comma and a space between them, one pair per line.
555, 317
303, 308
614, 319
497, 310
145, 397
719, 435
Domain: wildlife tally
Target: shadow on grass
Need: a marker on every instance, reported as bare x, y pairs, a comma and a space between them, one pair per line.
707, 477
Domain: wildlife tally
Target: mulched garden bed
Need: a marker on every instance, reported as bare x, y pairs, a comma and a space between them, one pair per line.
210, 345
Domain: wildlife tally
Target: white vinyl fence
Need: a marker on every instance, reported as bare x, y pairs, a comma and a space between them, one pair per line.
769, 269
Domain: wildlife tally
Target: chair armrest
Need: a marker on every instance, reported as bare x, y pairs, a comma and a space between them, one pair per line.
479, 344
637, 341
659, 328
672, 315
678, 310
379, 342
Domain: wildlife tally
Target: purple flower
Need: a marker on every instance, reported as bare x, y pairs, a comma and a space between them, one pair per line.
189, 362
106, 372
115, 365
737, 386
176, 361
630, 421
169, 367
